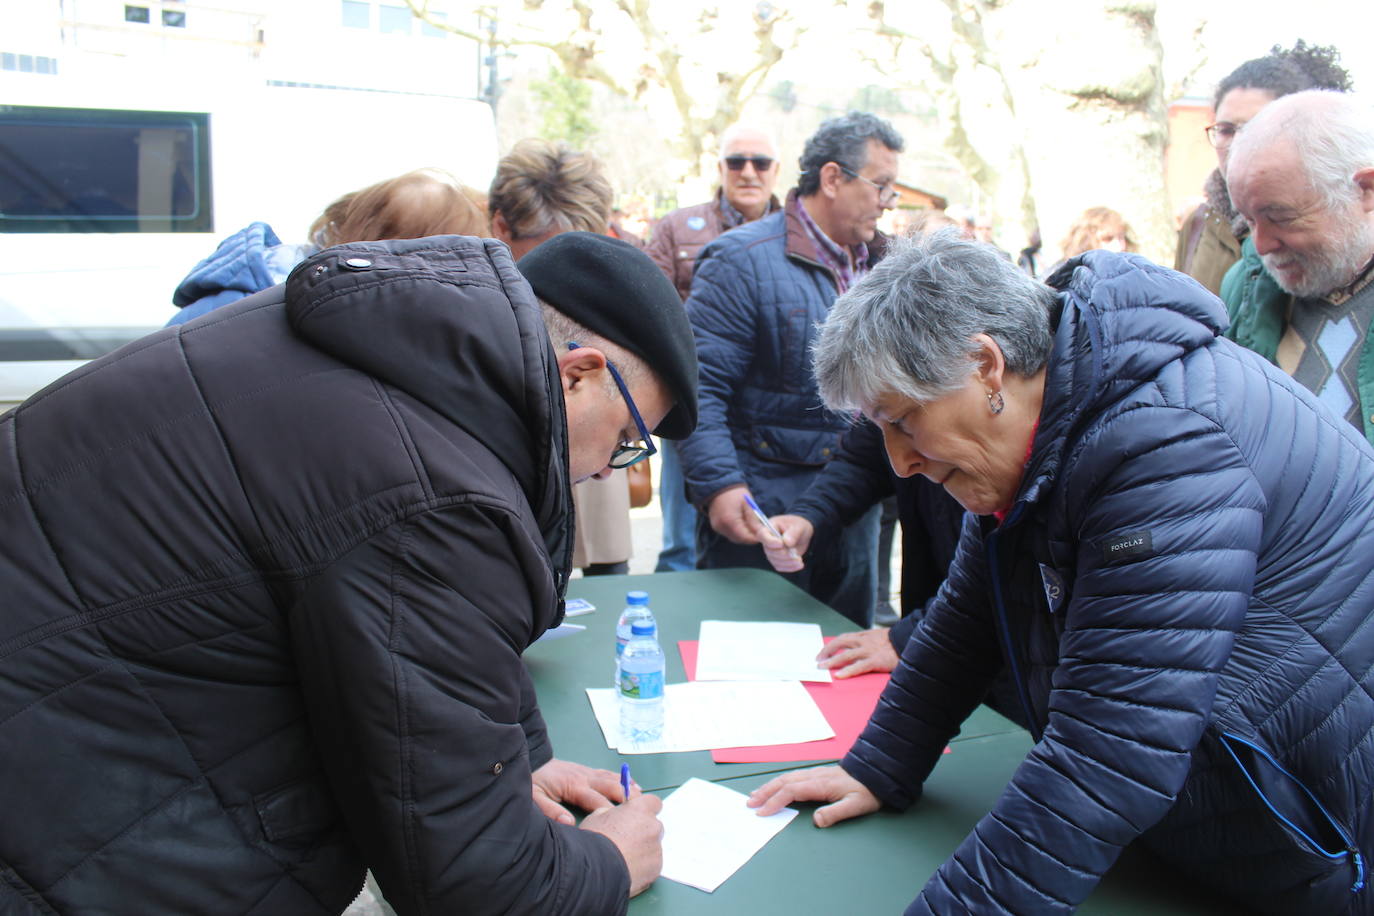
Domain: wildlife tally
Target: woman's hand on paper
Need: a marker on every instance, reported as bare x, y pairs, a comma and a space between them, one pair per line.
560, 782
858, 653
847, 796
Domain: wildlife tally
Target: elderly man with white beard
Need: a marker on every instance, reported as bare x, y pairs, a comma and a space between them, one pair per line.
1302, 174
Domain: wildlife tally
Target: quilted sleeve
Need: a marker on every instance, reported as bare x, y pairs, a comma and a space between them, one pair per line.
417, 695
946, 666
724, 319
852, 482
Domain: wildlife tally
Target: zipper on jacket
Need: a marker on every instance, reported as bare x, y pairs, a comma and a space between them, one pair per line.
1350, 848
1004, 625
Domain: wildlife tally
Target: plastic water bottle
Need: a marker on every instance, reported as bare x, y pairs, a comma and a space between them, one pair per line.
641, 685
636, 608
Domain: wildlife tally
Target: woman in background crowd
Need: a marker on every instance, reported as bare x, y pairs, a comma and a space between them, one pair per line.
1098, 228
542, 189
411, 206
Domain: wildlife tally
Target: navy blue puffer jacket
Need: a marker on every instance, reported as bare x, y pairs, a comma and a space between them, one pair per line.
1184, 591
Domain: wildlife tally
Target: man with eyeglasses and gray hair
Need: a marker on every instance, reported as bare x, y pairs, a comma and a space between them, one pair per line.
758, 294
269, 577
748, 171
1301, 173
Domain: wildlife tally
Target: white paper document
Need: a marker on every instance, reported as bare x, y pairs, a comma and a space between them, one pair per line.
700, 716
562, 631
709, 832
735, 651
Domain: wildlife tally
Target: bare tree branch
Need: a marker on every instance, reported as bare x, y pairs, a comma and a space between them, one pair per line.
579, 55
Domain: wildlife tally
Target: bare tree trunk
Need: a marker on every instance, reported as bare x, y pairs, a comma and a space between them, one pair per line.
1081, 71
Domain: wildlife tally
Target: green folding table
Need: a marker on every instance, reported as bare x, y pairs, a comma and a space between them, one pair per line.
875, 864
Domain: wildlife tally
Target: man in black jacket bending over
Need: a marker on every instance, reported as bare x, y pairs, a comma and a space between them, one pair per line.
268, 576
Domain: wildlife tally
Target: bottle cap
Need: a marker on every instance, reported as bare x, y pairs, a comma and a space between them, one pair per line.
636, 597
641, 628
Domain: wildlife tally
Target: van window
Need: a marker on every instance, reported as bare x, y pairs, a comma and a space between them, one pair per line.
100, 170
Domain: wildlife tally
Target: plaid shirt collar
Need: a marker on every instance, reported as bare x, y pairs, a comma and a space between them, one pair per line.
848, 266
731, 218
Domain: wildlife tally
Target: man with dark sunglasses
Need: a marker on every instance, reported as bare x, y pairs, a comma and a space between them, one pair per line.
757, 296
748, 171
270, 574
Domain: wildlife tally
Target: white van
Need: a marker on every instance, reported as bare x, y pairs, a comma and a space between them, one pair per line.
110, 191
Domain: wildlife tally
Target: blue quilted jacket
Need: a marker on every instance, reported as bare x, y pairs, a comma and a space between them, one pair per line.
1184, 593
758, 293
246, 262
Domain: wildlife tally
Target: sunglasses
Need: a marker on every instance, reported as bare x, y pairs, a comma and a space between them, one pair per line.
761, 164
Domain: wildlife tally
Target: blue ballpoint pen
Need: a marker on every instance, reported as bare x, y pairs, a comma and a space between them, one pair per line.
763, 520
625, 779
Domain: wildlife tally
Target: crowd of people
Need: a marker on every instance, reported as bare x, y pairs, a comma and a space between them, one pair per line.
273, 568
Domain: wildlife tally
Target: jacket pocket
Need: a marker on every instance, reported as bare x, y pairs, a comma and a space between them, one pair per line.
1314, 866
789, 445
297, 813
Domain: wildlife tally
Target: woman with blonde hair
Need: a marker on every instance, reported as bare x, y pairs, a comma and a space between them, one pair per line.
417, 204
543, 189
1097, 227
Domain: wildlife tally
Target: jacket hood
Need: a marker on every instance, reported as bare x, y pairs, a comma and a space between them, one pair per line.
1121, 319
472, 347
238, 264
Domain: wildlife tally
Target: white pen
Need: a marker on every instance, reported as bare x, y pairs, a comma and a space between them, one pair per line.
763, 520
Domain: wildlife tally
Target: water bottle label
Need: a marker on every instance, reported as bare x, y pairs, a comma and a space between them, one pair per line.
645, 685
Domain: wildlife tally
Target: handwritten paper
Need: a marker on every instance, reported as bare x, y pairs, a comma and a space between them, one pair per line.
709, 833
735, 651
701, 715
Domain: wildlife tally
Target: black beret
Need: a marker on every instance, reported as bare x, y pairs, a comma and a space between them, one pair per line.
614, 289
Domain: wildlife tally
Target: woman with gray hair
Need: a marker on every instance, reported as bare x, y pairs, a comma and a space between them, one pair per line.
1167, 548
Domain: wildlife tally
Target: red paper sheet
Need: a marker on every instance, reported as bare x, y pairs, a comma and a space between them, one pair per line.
846, 705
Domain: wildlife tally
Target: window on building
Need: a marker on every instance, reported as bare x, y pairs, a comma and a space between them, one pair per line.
28, 63
174, 19
136, 14
394, 20
430, 31
356, 14
98, 170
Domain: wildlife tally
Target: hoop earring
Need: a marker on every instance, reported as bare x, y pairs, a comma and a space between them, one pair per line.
996, 403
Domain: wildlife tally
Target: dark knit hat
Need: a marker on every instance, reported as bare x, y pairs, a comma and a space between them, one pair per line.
614, 289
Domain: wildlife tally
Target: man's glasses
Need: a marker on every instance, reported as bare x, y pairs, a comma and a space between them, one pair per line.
1221, 133
887, 194
625, 453
761, 164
